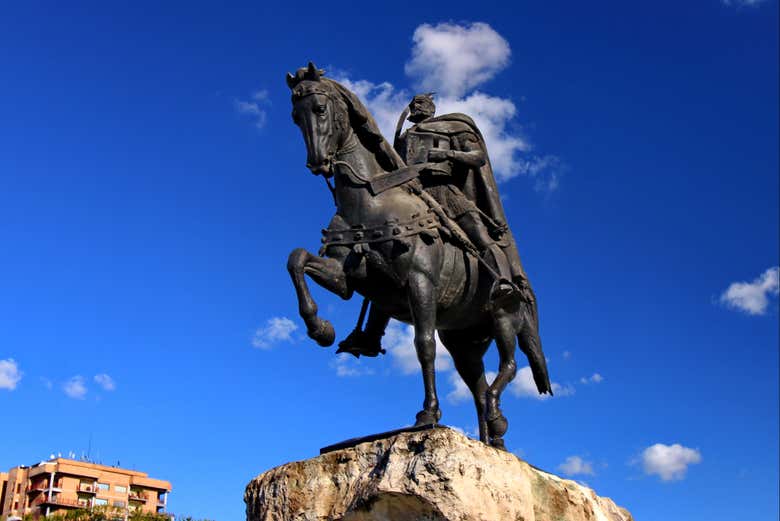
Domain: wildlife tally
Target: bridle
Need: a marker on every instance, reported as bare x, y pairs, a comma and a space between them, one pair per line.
347, 148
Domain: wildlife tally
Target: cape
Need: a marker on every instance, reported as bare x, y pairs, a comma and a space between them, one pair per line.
486, 195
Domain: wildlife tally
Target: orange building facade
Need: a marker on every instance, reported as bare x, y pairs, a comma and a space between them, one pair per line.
62, 484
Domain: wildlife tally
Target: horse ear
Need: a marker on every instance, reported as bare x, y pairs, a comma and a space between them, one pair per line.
313, 72
290, 80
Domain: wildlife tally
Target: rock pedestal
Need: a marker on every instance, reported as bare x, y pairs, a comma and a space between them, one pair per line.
432, 475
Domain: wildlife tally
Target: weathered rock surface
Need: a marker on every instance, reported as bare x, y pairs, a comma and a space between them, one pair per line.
433, 475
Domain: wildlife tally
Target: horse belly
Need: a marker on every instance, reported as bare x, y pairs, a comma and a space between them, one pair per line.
458, 289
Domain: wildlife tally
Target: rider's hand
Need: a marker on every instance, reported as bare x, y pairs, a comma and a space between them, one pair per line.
437, 155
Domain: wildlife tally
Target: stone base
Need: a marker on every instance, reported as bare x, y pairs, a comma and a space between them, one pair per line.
430, 475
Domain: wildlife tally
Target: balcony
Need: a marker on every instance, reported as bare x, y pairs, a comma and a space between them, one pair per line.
64, 502
43, 486
136, 496
89, 488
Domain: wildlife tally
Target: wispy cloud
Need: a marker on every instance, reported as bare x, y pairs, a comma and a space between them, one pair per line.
595, 378
347, 365
276, 329
105, 382
399, 342
10, 375
75, 388
575, 465
753, 297
523, 386
460, 391
668, 462
253, 108
744, 3
453, 60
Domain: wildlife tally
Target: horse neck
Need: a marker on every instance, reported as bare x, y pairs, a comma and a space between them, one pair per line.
355, 167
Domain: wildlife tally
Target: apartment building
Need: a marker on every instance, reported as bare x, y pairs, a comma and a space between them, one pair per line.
61, 484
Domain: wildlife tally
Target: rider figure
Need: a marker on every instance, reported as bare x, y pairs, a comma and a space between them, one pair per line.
457, 174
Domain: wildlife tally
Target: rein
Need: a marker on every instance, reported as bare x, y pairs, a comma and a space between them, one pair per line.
349, 147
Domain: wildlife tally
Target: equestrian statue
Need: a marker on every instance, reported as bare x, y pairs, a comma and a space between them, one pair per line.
421, 234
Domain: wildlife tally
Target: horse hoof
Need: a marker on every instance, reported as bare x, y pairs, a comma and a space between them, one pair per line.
427, 418
498, 443
324, 334
498, 426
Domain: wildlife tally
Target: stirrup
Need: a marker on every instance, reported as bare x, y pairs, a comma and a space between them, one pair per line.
505, 294
358, 343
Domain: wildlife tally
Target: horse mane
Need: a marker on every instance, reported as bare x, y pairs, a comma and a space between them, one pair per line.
366, 129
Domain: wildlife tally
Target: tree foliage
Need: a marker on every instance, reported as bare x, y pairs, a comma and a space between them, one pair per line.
111, 514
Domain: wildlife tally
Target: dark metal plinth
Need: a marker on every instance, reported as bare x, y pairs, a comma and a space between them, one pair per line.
379, 436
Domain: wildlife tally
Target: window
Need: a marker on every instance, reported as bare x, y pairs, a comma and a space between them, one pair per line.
120, 504
102, 486
100, 502
120, 488
16, 505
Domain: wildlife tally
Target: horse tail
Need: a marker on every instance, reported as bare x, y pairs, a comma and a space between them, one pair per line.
531, 345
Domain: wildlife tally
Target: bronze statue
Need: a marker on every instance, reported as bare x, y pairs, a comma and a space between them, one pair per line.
422, 236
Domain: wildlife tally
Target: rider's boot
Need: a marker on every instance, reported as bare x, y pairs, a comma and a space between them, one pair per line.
367, 342
504, 292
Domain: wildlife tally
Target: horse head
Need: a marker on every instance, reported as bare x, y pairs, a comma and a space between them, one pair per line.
321, 113
328, 115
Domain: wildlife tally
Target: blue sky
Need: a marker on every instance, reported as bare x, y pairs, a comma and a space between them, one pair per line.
152, 185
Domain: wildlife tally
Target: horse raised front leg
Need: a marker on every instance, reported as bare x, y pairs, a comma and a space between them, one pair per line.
422, 302
329, 274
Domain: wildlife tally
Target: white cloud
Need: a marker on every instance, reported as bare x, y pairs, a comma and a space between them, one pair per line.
523, 386
252, 108
492, 116
277, 329
595, 378
471, 433
753, 297
575, 465
453, 59
460, 391
744, 3
399, 342
566, 355
75, 388
10, 375
669, 462
347, 365
383, 100
105, 381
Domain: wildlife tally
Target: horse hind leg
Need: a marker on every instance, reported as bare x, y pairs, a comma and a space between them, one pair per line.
329, 274
467, 354
497, 423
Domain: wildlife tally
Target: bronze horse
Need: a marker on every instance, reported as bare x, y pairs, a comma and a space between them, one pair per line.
389, 246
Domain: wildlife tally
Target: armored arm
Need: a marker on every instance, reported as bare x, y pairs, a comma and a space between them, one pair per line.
470, 154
